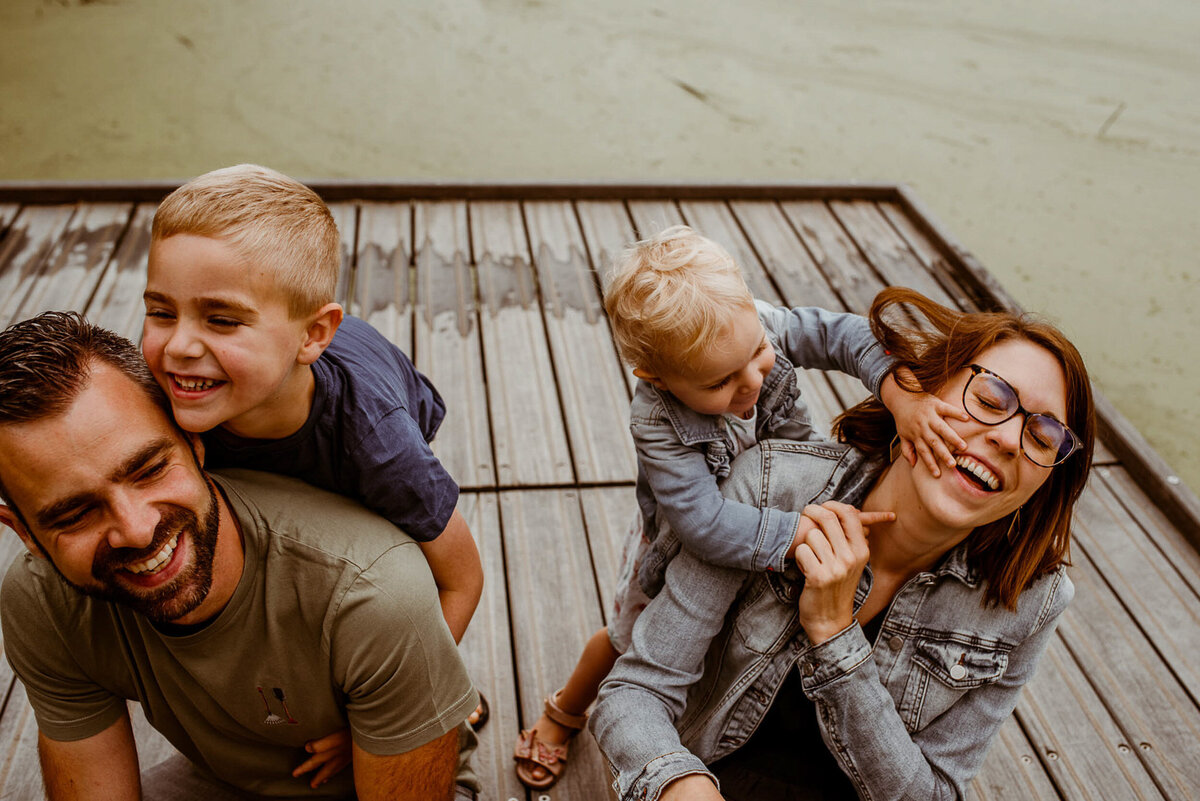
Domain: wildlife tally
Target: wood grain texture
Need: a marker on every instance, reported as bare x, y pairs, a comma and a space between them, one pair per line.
117, 302
383, 274
446, 341
28, 244
594, 397
528, 436
346, 217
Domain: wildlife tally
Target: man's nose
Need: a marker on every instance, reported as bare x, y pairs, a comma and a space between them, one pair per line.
133, 522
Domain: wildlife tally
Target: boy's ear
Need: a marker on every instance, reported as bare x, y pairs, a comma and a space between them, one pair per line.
10, 518
646, 376
319, 333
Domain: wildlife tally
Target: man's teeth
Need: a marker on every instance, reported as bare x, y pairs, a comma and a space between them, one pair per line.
155, 562
195, 384
979, 471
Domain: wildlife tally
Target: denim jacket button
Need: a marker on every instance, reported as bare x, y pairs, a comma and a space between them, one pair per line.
896, 642
808, 669
958, 672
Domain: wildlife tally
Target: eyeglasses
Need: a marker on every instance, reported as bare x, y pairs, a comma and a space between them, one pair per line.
1045, 440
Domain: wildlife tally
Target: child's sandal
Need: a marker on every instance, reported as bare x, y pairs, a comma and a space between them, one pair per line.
532, 752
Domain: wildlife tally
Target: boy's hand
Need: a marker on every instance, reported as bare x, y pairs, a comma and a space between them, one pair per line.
921, 423
330, 754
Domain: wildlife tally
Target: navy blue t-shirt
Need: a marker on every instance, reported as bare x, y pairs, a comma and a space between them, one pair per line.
367, 435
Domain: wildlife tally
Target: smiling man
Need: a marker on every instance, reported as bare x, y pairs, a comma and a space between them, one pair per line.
248, 614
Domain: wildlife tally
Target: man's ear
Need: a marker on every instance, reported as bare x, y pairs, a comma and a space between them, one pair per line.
10, 518
653, 380
319, 333
197, 445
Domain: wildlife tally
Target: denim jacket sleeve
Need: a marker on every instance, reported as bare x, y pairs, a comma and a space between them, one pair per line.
864, 732
646, 692
824, 340
719, 530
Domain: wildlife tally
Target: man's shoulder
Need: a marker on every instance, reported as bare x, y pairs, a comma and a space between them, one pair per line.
294, 516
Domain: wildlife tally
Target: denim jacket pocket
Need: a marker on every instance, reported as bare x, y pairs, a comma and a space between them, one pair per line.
954, 667
768, 622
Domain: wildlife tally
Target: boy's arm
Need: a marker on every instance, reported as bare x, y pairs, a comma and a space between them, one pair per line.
825, 340
454, 561
715, 528
101, 767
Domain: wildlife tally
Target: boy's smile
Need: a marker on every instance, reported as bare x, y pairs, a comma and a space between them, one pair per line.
220, 340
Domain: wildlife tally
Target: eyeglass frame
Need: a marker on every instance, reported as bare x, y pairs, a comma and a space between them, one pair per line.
1076, 442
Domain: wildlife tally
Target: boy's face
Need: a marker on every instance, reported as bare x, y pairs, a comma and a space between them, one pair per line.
729, 376
218, 337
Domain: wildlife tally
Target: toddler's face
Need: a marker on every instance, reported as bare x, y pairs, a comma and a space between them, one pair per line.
729, 377
218, 336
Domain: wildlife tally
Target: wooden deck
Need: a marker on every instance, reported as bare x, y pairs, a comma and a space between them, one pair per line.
495, 291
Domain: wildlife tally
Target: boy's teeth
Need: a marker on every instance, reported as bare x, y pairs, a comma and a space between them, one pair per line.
979, 471
195, 384
155, 562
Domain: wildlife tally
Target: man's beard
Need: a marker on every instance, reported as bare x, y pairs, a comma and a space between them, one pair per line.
183, 593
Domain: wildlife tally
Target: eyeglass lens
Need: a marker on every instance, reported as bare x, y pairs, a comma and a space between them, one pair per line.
992, 400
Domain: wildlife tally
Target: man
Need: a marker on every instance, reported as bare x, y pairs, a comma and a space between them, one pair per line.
247, 613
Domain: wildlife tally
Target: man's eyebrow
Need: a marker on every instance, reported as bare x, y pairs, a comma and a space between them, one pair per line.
46, 516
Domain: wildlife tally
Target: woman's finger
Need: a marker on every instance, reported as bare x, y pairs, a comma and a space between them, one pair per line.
872, 518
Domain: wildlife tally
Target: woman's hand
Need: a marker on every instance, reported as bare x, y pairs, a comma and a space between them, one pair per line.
330, 754
696, 787
832, 555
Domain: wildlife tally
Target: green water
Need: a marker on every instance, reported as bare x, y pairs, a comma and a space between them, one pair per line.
1060, 142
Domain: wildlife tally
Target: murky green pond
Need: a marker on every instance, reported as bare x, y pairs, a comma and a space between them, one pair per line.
1059, 141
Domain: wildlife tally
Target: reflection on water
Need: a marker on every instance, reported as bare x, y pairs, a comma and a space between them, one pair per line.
1057, 142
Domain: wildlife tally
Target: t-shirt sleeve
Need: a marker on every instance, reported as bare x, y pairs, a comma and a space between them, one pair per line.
392, 654
66, 703
399, 478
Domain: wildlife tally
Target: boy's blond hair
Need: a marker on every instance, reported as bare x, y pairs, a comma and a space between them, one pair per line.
269, 219
670, 297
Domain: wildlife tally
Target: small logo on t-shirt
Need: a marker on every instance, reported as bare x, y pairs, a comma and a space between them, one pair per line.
273, 719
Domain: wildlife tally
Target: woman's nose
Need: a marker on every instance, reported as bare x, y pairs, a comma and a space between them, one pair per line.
1006, 436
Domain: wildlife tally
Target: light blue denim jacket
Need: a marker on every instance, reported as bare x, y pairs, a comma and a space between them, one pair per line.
682, 453
910, 718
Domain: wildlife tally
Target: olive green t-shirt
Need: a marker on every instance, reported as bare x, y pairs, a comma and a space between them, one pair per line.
335, 622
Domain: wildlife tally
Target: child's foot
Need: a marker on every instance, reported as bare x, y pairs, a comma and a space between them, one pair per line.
479, 716
541, 751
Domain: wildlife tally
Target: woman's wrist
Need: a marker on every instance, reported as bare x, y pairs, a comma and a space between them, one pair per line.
818, 633
693, 787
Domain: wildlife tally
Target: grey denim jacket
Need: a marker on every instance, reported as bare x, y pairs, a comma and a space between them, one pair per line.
682, 453
910, 718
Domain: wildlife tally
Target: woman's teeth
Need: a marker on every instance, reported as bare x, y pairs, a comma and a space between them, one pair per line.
195, 384
978, 471
155, 562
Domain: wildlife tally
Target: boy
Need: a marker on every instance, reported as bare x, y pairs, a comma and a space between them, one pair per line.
716, 376
242, 333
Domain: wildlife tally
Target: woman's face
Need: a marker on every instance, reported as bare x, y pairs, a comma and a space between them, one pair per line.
993, 478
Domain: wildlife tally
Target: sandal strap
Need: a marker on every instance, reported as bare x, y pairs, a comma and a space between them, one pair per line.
563, 718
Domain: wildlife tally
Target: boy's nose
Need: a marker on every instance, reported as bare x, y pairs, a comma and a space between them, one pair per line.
182, 344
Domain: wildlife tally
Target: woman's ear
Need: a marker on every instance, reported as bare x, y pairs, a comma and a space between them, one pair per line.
319, 332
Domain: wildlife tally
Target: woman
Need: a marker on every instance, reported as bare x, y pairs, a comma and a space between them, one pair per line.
911, 644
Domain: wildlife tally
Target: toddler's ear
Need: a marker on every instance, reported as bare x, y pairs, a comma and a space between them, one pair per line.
321, 328
646, 376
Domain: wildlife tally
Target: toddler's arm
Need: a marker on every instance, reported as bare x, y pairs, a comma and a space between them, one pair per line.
457, 571
711, 526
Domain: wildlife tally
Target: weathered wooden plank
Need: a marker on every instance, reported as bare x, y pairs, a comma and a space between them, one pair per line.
608, 231
117, 303
886, 250
1011, 769
446, 340
1160, 602
555, 609
1177, 550
608, 514
383, 273
7, 212
965, 294
346, 217
783, 255
716, 221
1159, 721
71, 271
20, 774
522, 395
30, 240
835, 253
487, 651
594, 396
1077, 741
651, 216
